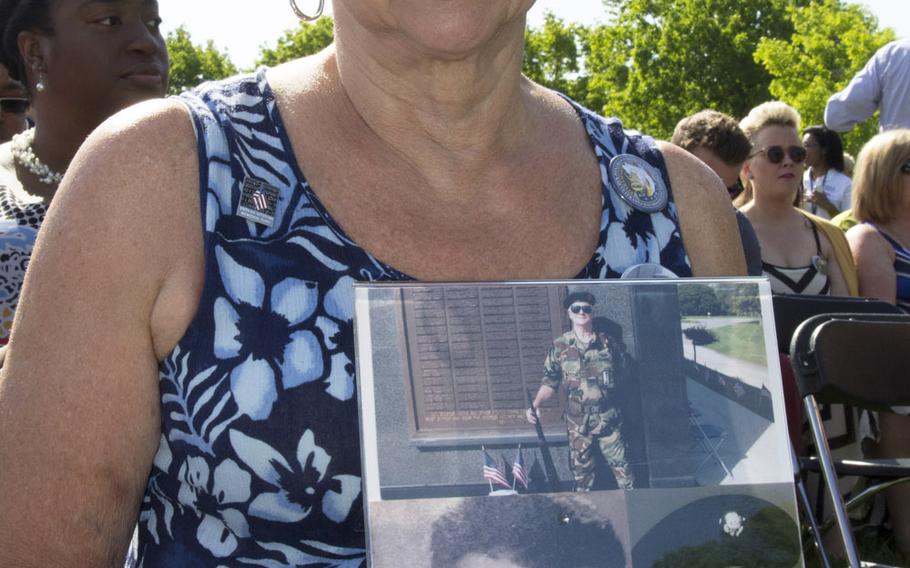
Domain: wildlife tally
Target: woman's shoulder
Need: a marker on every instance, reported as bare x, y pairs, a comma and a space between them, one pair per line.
829, 230
864, 235
839, 179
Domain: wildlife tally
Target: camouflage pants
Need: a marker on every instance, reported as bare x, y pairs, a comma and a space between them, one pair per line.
611, 447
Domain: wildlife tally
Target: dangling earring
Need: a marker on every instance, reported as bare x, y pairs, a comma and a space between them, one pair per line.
40, 85
306, 17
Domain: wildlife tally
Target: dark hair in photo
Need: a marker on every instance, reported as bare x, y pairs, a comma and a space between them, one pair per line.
17, 16
531, 530
714, 131
830, 143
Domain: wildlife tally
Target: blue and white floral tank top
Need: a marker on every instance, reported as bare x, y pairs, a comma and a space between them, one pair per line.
259, 460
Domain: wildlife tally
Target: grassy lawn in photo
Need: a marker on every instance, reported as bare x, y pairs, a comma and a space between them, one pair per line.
744, 341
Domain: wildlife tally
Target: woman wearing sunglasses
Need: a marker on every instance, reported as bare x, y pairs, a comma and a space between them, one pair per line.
81, 62
801, 253
881, 248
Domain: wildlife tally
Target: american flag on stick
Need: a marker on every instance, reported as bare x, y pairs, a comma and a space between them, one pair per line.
493, 473
519, 473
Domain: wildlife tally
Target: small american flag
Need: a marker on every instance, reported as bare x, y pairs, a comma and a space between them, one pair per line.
518, 470
260, 201
492, 472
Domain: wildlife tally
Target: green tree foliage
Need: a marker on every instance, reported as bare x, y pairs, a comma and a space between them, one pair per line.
832, 40
699, 300
552, 56
193, 64
660, 60
739, 300
306, 39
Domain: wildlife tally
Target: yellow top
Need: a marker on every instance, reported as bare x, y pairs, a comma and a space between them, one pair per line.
841, 248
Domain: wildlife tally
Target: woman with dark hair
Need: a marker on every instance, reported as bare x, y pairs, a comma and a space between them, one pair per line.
81, 62
826, 187
220, 234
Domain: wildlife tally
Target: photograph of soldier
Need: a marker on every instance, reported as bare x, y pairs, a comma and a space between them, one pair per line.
583, 359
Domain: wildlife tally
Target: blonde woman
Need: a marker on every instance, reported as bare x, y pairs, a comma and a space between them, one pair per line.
801, 253
881, 248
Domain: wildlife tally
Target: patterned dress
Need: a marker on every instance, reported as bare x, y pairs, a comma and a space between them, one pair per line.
259, 459
19, 224
901, 270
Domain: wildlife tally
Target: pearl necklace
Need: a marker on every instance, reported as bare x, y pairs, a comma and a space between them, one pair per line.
25, 155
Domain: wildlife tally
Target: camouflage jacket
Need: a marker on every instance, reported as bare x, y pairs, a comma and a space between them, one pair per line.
587, 371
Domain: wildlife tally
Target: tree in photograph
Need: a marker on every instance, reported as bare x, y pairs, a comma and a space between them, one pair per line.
661, 60
306, 39
194, 64
832, 40
699, 300
699, 335
552, 56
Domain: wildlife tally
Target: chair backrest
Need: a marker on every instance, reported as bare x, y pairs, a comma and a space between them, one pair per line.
857, 359
790, 310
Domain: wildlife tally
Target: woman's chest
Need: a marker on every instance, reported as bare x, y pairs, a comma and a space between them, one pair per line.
545, 226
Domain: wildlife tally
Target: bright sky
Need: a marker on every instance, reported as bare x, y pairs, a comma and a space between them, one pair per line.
240, 27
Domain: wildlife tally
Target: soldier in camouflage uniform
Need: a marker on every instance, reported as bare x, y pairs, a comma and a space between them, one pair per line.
583, 360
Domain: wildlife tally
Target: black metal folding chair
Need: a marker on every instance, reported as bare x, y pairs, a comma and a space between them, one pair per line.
862, 360
790, 310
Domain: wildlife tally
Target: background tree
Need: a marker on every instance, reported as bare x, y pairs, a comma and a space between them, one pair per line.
699, 335
308, 38
553, 56
832, 40
193, 64
699, 300
660, 60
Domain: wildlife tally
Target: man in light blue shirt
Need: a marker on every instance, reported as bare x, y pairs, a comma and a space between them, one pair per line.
884, 83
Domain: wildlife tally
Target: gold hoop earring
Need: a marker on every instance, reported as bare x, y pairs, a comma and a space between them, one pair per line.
304, 16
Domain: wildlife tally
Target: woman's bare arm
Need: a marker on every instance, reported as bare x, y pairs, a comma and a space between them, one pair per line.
112, 284
706, 215
874, 260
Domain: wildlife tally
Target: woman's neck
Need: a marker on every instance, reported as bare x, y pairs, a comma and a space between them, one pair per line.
58, 134
767, 210
448, 117
818, 171
584, 332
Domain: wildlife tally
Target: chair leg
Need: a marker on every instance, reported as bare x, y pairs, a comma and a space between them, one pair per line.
830, 477
807, 510
710, 449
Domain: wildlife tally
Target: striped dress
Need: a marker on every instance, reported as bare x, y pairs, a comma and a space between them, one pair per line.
901, 269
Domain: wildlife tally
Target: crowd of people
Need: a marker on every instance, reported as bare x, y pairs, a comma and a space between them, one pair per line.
181, 346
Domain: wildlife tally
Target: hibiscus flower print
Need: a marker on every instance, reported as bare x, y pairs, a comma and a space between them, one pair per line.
262, 330
301, 485
216, 499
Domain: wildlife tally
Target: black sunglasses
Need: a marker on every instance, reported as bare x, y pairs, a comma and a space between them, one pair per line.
735, 189
775, 154
905, 168
14, 105
580, 309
